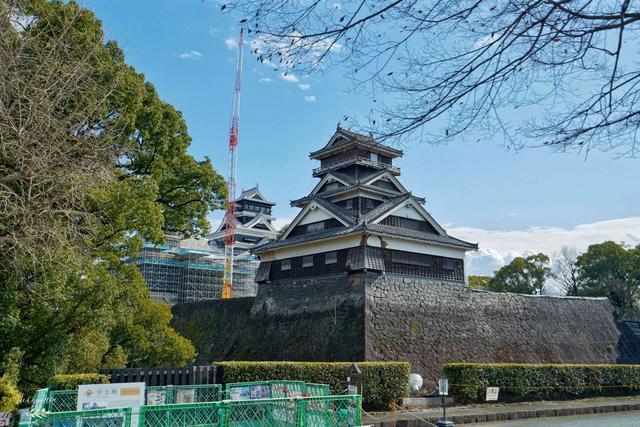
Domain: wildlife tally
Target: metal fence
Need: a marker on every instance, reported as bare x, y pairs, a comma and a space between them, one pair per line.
165, 376
119, 417
65, 400
327, 411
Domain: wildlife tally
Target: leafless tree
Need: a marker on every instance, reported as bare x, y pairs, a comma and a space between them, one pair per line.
565, 271
54, 149
556, 73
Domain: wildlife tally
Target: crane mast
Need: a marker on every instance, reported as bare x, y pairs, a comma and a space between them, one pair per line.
229, 219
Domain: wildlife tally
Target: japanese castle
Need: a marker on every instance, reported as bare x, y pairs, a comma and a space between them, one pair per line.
360, 218
254, 223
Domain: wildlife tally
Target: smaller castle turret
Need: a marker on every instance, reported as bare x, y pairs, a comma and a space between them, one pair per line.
254, 222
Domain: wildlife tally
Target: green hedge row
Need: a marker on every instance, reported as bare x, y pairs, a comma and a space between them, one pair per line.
383, 382
72, 381
522, 382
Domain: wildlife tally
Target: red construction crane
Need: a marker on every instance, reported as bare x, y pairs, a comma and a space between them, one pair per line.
230, 216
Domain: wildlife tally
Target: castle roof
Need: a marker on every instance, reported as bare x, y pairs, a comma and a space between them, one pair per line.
377, 229
344, 138
253, 194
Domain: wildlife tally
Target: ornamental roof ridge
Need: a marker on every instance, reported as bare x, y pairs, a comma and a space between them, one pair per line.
251, 193
357, 138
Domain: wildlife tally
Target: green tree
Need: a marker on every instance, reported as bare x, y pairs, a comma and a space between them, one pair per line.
522, 275
479, 282
92, 163
609, 269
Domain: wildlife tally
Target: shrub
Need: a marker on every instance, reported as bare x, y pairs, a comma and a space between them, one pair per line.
522, 382
72, 381
382, 382
10, 396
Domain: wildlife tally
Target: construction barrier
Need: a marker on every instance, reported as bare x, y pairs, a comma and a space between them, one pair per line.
327, 411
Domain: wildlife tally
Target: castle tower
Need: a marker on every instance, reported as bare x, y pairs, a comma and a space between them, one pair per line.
254, 222
360, 218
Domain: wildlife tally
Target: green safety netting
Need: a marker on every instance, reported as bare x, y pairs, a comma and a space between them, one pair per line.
327, 411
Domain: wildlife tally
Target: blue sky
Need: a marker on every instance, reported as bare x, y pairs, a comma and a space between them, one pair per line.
475, 189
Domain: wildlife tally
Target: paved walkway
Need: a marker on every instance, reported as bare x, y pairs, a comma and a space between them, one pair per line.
502, 412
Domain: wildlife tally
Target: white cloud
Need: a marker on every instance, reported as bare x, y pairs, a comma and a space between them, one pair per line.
310, 98
304, 86
336, 6
192, 54
231, 43
483, 41
265, 80
498, 248
281, 53
280, 223
288, 77
214, 30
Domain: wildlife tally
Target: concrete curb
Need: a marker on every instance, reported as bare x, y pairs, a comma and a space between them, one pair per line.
407, 420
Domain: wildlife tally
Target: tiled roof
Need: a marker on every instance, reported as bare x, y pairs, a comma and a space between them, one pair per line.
334, 209
357, 138
375, 228
303, 238
385, 207
251, 194
419, 235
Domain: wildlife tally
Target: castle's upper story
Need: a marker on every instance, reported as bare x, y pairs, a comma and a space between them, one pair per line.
360, 217
254, 222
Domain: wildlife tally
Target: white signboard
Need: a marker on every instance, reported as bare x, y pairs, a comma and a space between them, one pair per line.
492, 393
156, 397
250, 392
185, 396
109, 396
443, 387
5, 418
352, 389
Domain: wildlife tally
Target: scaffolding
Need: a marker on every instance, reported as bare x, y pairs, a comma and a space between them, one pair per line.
177, 274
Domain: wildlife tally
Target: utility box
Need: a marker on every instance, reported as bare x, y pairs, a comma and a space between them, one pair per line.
354, 380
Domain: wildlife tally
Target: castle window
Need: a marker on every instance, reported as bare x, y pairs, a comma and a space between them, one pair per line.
349, 204
331, 257
449, 264
307, 261
410, 258
374, 157
285, 265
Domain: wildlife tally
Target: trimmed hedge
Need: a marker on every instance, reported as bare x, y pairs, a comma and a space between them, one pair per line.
383, 382
72, 381
522, 382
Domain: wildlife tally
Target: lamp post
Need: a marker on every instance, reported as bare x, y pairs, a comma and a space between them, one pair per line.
443, 391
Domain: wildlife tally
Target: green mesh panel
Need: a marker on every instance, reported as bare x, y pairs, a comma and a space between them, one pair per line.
287, 389
314, 390
100, 418
62, 400
197, 414
332, 411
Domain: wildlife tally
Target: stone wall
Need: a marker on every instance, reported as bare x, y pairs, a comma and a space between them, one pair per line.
304, 319
370, 317
431, 324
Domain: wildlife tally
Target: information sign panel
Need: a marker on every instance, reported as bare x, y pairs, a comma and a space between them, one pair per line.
492, 393
109, 396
